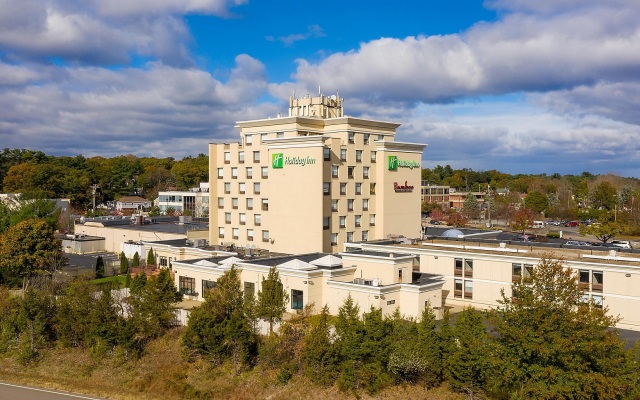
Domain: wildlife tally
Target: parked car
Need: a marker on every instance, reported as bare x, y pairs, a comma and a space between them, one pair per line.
572, 224
577, 243
435, 222
624, 244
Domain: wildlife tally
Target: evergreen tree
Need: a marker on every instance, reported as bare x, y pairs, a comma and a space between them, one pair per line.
430, 348
374, 350
138, 283
553, 344
349, 334
272, 299
151, 257
136, 260
447, 344
99, 267
318, 355
124, 263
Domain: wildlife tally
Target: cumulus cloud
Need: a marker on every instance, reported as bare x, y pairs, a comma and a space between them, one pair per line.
158, 110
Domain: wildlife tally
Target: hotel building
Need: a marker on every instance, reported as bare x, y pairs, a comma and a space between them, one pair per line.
313, 180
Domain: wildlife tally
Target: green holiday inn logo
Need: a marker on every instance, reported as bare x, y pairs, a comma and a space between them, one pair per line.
277, 160
393, 163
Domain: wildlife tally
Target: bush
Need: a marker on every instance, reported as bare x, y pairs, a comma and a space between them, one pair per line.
553, 234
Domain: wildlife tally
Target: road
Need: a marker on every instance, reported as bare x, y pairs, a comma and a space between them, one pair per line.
19, 392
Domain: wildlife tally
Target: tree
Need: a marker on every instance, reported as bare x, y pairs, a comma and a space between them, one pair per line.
27, 249
124, 263
522, 219
603, 231
99, 267
457, 220
604, 195
349, 334
272, 299
536, 201
28, 207
318, 355
471, 207
136, 260
551, 343
151, 257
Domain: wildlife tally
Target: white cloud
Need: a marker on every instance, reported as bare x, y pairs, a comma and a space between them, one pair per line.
313, 31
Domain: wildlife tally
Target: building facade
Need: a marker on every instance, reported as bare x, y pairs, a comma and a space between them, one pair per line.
435, 194
313, 180
194, 202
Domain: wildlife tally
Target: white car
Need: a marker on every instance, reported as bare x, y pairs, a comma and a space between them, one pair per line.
623, 244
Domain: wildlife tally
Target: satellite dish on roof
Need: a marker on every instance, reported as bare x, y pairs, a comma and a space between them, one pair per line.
333, 97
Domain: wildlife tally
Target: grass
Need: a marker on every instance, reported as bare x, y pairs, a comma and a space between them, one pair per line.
118, 279
162, 373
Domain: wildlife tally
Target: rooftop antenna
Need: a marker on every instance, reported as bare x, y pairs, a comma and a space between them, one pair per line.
294, 93
319, 90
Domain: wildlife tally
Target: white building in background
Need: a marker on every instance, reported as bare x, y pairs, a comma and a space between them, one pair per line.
194, 200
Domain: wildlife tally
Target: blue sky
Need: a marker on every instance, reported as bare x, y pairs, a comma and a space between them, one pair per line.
514, 85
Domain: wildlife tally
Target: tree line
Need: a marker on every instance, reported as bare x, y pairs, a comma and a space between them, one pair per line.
28, 171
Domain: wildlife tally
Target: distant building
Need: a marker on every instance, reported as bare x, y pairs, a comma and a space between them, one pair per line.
195, 201
132, 204
435, 194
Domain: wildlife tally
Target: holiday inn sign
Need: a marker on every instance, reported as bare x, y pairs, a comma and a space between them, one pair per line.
278, 160
393, 163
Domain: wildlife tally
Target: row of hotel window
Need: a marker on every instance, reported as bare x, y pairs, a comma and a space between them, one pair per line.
242, 188
264, 172
350, 237
235, 234
248, 203
187, 286
326, 156
342, 221
351, 137
588, 280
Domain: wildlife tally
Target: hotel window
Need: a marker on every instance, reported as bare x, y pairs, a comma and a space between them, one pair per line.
265, 204
257, 218
296, 299
597, 300
350, 172
242, 218
235, 232
187, 286
256, 156
249, 290
457, 288
516, 272
326, 188
365, 235
334, 239
596, 283
241, 188
334, 171
263, 136
349, 237
227, 187
468, 289
220, 202
241, 157
279, 135
343, 221
250, 234
265, 172
227, 157
372, 188
584, 278
249, 203
221, 232
358, 188
358, 220
366, 138
234, 173
249, 172
256, 188
343, 154
365, 204
352, 137
220, 173
365, 172
373, 156
457, 269
372, 220
326, 223
326, 154
208, 285
350, 205
265, 236
334, 205
248, 139
358, 155
468, 268
380, 137
234, 203
343, 188
227, 218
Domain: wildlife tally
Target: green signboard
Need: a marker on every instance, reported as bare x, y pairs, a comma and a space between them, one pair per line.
393, 163
277, 160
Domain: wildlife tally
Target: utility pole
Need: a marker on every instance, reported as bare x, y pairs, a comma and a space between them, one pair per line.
94, 191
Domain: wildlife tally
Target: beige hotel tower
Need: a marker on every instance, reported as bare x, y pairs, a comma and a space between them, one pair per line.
313, 180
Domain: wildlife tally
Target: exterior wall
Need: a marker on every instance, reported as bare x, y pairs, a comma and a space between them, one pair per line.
83, 246
384, 270
299, 217
115, 237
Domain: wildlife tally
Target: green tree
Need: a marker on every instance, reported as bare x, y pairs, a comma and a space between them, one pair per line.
272, 299
447, 346
136, 260
471, 207
27, 249
536, 201
124, 263
604, 195
151, 257
28, 207
553, 344
603, 231
349, 335
319, 357
99, 267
